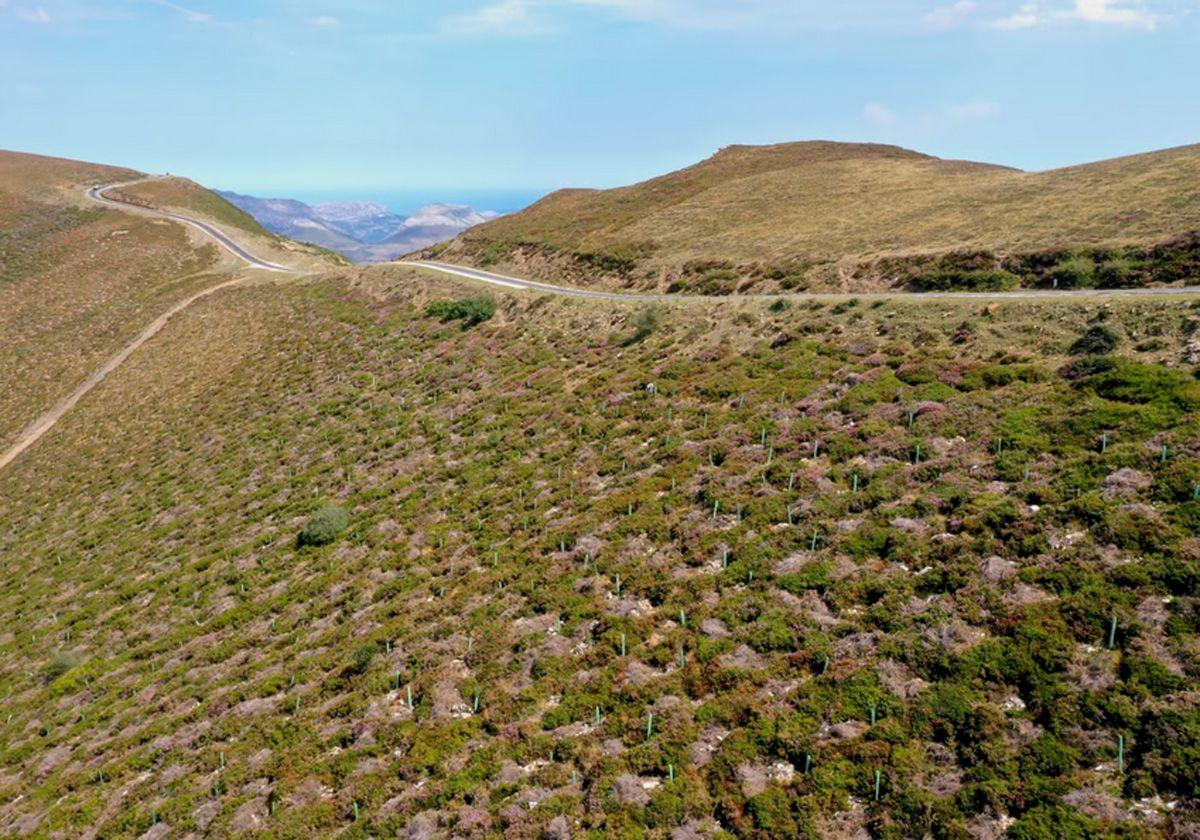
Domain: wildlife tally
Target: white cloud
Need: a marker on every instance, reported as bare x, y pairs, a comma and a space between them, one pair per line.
879, 114
507, 17
1122, 12
1131, 13
1026, 17
190, 15
38, 15
525, 17
977, 109
324, 20
950, 16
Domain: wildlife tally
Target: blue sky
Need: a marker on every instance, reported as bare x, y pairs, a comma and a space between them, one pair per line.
307, 96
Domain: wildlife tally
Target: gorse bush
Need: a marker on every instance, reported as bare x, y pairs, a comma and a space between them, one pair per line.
1097, 341
60, 664
1076, 272
325, 526
644, 326
470, 311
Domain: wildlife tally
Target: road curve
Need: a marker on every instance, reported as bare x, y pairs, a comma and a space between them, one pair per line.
505, 281
44, 423
97, 193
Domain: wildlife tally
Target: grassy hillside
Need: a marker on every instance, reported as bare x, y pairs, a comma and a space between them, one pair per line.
842, 568
191, 199
195, 200
848, 216
77, 281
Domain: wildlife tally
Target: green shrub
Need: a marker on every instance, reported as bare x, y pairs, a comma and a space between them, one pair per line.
1130, 382
1118, 271
979, 280
813, 575
1077, 272
492, 253
361, 660
1097, 341
470, 311
61, 663
325, 526
644, 326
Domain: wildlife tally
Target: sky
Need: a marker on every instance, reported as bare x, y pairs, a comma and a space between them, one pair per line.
316, 97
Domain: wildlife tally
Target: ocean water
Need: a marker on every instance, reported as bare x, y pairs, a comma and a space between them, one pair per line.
407, 202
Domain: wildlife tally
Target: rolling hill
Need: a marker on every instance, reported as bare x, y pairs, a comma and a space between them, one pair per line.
831, 216
369, 552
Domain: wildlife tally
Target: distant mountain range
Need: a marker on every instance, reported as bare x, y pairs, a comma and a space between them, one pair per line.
362, 231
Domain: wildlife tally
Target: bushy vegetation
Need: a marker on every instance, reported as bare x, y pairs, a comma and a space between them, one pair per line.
471, 311
644, 325
1097, 341
324, 526
894, 575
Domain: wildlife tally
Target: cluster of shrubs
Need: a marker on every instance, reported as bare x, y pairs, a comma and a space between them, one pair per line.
471, 311
1171, 261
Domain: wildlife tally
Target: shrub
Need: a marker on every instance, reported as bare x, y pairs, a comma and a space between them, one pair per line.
470, 311
979, 280
1097, 341
492, 253
325, 526
1118, 271
361, 660
61, 663
1074, 273
644, 326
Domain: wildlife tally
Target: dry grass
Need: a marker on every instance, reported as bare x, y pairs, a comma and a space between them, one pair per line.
191, 199
76, 281
840, 205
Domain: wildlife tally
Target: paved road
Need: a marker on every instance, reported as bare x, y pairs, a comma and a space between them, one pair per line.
98, 194
43, 424
517, 283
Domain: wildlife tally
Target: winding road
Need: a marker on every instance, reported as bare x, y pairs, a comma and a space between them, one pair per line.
97, 194
529, 285
45, 422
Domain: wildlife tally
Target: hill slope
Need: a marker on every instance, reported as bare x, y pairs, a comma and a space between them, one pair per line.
77, 281
848, 216
830, 541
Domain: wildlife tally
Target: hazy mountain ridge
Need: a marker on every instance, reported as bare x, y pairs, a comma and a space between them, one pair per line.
363, 231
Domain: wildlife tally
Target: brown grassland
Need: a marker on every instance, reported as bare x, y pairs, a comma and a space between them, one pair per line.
821, 216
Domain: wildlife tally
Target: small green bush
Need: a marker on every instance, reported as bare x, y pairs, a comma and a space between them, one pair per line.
470, 311
1077, 272
977, 280
1118, 271
325, 526
1097, 341
643, 326
361, 660
61, 663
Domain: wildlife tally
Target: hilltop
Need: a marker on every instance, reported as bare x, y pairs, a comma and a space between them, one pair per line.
833, 216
